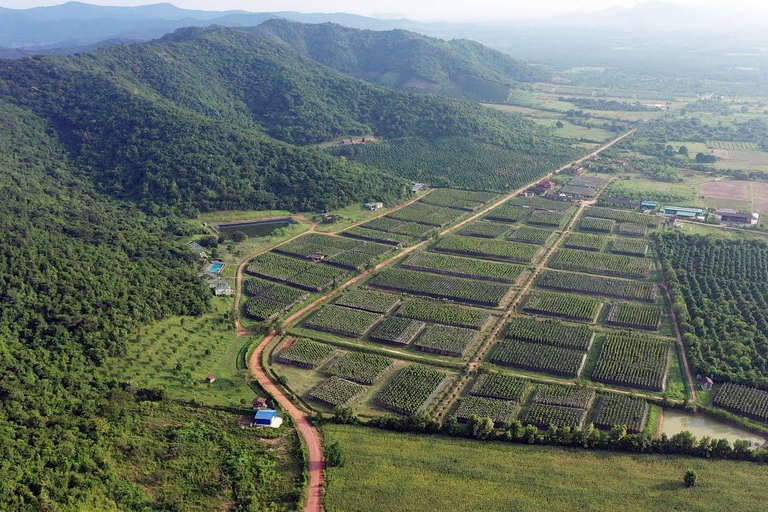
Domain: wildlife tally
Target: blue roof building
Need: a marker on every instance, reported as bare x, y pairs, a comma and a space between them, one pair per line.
682, 211
267, 418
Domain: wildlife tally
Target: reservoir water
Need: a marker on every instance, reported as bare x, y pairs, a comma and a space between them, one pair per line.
700, 426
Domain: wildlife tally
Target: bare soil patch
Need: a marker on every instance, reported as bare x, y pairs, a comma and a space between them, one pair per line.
760, 196
738, 190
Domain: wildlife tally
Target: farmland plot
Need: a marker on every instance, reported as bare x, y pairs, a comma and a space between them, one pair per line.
337, 391
296, 272
564, 396
384, 237
750, 402
446, 314
613, 409
495, 385
441, 287
545, 415
585, 242
469, 200
650, 220
633, 360
484, 229
359, 367
604, 264
509, 213
428, 214
411, 389
547, 218
540, 203
574, 307
629, 247
463, 267
305, 354
446, 340
396, 330
343, 321
632, 229
491, 249
500, 411
596, 225
596, 285
564, 362
529, 235
369, 300
641, 316
550, 332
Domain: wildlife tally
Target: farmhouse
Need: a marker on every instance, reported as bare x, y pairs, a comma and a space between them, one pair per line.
220, 286
547, 184
259, 403
737, 218
648, 205
706, 382
267, 418
374, 206
417, 186
210, 379
682, 212
316, 257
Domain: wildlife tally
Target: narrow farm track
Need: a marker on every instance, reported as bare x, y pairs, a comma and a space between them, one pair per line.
306, 430
679, 339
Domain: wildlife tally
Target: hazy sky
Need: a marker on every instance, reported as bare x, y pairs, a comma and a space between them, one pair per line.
469, 10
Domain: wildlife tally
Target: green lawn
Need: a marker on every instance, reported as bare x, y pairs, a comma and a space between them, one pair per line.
416, 472
178, 353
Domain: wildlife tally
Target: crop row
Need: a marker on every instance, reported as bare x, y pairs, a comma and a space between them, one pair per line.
544, 416
301, 273
547, 218
540, 203
500, 411
426, 214
459, 199
411, 389
305, 353
585, 241
630, 247
597, 225
343, 321
601, 263
744, 400
574, 307
633, 360
632, 229
529, 235
389, 225
564, 396
446, 314
623, 216
641, 316
268, 299
261, 308
369, 300
463, 267
359, 367
564, 362
491, 249
446, 340
363, 233
549, 332
400, 331
595, 285
508, 213
337, 391
441, 287
614, 409
495, 385
484, 229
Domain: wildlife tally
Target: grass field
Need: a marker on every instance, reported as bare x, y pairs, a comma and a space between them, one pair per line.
178, 353
415, 473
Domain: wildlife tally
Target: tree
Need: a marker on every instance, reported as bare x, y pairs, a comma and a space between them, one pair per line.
480, 428
559, 124
237, 236
690, 478
209, 242
334, 455
683, 150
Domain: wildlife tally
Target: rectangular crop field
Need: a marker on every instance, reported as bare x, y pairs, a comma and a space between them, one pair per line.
359, 367
491, 249
343, 321
509, 213
296, 272
369, 300
411, 389
614, 409
363, 233
529, 235
640, 316
446, 314
500, 411
540, 203
427, 214
545, 415
596, 225
484, 229
469, 200
547, 218
441, 287
629, 247
743, 400
600, 263
577, 397
585, 242
337, 391
550, 332
633, 360
564, 362
305, 354
446, 340
400, 331
596, 285
645, 219
573, 307
632, 229
463, 267
495, 385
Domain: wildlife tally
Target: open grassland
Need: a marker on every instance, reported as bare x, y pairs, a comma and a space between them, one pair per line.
416, 472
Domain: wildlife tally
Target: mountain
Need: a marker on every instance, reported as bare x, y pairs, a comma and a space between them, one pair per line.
407, 60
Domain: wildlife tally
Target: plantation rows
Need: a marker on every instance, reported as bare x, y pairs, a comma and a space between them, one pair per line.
343, 321
458, 199
547, 218
359, 367
500, 411
630, 247
624, 216
568, 306
343, 252
594, 285
613, 409
600, 263
564, 362
596, 225
540, 203
641, 316
369, 300
268, 300
750, 402
337, 391
508, 213
585, 242
363, 233
495, 385
633, 360
445, 314
564, 396
529, 235
441, 287
389, 225
300, 273
549, 332
463, 267
482, 248
305, 354
545, 415
632, 229
400, 331
427, 214
411, 389
484, 229
446, 340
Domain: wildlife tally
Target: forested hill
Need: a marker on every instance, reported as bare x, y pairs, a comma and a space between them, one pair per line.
211, 118
406, 60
